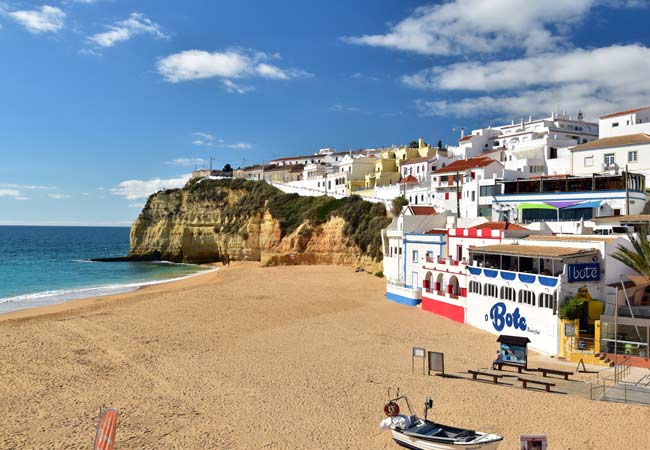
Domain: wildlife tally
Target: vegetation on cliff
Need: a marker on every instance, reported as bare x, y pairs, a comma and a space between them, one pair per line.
363, 220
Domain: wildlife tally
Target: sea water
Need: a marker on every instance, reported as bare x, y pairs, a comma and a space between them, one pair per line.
46, 265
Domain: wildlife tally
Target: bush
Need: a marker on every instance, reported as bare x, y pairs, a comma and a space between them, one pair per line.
379, 274
397, 204
571, 309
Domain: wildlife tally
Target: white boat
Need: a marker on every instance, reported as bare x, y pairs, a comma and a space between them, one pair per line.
416, 433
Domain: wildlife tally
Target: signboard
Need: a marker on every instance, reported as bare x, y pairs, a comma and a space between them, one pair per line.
437, 362
511, 353
580, 273
569, 329
532, 442
418, 352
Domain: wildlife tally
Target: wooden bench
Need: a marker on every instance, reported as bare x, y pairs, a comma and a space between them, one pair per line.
500, 365
563, 373
476, 373
525, 382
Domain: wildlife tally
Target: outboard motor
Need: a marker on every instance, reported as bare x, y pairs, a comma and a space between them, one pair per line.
428, 404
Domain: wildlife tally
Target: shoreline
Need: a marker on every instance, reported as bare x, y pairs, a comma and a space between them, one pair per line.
96, 301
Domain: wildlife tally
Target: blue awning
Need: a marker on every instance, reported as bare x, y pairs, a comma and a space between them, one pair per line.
589, 204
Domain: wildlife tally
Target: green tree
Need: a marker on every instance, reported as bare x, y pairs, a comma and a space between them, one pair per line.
636, 258
414, 144
439, 144
571, 309
227, 168
397, 204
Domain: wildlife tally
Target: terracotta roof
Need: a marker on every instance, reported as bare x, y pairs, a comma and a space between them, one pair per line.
464, 164
416, 160
616, 141
410, 179
296, 168
422, 210
620, 113
500, 226
466, 138
291, 158
437, 231
533, 250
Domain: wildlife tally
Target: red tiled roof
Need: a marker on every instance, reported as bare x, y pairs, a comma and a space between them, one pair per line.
620, 113
499, 226
463, 164
466, 138
423, 210
410, 179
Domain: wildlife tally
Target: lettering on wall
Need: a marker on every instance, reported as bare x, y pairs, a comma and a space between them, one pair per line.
501, 319
584, 272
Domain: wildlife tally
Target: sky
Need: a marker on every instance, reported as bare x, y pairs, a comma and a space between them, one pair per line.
103, 102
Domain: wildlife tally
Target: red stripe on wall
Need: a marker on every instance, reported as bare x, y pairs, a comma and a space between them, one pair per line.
453, 312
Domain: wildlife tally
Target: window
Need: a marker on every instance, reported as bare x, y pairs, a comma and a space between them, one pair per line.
475, 287
589, 161
632, 156
614, 124
610, 159
527, 297
487, 190
490, 290
546, 301
552, 153
473, 195
507, 293
400, 250
415, 256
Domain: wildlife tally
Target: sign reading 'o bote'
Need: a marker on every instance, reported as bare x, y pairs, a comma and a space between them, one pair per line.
584, 272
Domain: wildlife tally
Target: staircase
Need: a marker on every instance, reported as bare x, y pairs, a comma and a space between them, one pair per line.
603, 357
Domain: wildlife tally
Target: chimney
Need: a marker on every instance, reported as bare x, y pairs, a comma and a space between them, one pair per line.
420, 143
462, 133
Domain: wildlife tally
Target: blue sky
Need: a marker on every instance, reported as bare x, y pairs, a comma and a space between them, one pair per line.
105, 101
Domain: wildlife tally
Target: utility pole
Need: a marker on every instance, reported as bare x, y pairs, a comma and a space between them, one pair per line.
457, 195
211, 158
627, 192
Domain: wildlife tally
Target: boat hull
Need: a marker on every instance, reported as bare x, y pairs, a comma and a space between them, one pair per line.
414, 443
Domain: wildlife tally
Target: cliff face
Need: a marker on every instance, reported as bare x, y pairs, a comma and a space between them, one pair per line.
241, 220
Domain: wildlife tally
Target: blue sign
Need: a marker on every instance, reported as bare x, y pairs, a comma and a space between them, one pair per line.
500, 318
584, 272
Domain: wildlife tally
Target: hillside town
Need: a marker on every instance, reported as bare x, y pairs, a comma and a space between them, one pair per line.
505, 229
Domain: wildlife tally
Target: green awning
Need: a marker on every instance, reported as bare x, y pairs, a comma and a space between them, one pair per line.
535, 206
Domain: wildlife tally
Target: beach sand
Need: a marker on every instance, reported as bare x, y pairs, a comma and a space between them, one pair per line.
266, 358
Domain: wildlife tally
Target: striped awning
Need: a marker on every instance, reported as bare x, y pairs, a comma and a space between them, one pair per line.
536, 206
588, 204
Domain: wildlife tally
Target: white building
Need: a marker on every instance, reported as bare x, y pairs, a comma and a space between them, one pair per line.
405, 242
533, 147
467, 186
624, 142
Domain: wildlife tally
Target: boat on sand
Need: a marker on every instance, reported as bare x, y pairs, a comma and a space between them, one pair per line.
415, 433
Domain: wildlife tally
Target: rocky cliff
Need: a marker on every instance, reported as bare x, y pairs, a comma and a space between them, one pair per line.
218, 220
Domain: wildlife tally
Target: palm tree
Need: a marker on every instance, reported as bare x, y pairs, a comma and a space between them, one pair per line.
638, 257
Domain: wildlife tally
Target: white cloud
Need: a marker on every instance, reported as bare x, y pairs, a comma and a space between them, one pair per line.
123, 30
206, 136
139, 189
240, 146
25, 186
136, 205
227, 65
186, 162
595, 81
478, 26
344, 108
47, 19
58, 196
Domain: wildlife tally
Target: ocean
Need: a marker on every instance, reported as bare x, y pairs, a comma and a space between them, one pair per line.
47, 265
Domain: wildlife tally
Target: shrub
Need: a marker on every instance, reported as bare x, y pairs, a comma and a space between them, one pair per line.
397, 204
571, 309
379, 274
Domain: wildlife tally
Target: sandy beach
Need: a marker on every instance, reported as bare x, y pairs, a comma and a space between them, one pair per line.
265, 358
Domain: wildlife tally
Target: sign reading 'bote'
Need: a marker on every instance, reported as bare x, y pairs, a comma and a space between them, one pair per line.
584, 272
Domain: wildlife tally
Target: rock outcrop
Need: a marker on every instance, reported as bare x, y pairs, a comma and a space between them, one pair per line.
236, 220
